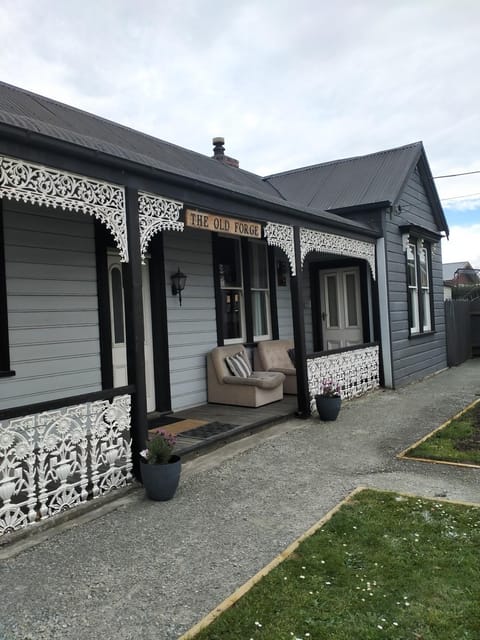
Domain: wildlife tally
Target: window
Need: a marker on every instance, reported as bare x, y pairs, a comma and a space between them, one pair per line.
230, 274
419, 290
260, 290
4, 345
117, 305
242, 273
425, 290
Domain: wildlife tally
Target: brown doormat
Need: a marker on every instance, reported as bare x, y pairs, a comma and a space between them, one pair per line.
180, 426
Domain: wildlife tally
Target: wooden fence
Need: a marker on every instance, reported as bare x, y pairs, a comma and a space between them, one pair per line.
458, 321
475, 326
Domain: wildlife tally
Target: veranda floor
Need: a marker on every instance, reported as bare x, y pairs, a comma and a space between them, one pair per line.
220, 423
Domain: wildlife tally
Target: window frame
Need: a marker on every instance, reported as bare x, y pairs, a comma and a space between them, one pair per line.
419, 295
246, 289
240, 288
265, 290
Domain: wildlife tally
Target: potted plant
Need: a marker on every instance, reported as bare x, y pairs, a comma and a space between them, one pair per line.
160, 468
329, 400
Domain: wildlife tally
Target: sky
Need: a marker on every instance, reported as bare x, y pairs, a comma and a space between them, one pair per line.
287, 84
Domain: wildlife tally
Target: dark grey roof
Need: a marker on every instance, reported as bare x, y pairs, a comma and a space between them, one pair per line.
33, 112
359, 181
28, 111
313, 190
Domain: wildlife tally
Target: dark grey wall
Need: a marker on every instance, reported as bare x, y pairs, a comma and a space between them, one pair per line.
416, 357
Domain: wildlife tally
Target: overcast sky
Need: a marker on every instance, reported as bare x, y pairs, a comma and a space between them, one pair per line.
286, 83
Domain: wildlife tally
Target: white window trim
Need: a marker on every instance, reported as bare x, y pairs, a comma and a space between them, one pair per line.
419, 294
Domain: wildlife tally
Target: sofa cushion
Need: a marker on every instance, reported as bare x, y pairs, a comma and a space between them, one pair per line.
290, 371
261, 379
238, 365
278, 359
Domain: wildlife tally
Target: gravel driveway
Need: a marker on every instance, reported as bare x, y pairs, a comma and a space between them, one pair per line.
136, 569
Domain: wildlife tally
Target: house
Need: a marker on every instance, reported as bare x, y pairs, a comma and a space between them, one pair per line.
96, 219
462, 278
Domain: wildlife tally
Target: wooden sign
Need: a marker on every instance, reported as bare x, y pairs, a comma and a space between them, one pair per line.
212, 222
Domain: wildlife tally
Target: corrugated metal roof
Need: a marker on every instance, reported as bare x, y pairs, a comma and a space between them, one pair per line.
32, 112
312, 190
359, 181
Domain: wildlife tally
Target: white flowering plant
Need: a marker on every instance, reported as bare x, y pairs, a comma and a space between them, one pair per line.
329, 388
159, 447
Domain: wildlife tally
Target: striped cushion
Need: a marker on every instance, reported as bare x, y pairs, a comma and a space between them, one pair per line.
238, 365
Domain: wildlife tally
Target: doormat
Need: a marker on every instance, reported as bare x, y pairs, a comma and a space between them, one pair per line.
209, 429
179, 426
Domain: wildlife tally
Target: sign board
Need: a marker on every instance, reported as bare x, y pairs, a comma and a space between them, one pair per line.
212, 222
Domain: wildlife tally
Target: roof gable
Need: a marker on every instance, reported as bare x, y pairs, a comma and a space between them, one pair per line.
376, 179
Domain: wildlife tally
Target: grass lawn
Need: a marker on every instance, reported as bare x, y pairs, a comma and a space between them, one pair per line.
458, 441
384, 566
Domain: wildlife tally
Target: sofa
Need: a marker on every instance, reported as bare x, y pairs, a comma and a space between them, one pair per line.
254, 390
272, 355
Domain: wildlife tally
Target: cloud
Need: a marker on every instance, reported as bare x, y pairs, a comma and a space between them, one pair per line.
463, 244
286, 84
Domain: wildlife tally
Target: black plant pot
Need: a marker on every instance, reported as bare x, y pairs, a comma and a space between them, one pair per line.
161, 480
328, 408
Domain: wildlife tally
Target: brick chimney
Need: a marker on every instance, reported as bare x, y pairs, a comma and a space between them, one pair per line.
219, 153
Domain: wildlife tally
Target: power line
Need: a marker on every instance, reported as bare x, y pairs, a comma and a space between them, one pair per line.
454, 175
467, 195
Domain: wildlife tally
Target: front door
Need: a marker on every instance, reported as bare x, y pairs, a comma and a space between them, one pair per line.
341, 309
117, 316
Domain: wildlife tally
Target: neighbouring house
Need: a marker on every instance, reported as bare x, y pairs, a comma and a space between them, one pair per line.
460, 280
100, 224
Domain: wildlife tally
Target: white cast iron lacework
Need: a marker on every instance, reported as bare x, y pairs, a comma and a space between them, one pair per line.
28, 182
281, 235
356, 371
329, 243
156, 214
52, 461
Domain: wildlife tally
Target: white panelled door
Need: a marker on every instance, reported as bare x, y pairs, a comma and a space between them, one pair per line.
117, 317
341, 308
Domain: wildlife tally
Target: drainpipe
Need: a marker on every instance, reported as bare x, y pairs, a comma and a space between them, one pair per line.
303, 395
134, 330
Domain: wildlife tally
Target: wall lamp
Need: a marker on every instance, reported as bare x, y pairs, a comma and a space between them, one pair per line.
178, 284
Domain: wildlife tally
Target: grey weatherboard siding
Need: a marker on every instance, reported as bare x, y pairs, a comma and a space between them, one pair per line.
52, 305
192, 329
284, 302
419, 356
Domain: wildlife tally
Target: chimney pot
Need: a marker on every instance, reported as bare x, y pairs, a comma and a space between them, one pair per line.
219, 153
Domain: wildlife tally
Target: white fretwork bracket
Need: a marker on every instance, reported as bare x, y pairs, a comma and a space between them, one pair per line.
156, 213
281, 236
340, 245
37, 184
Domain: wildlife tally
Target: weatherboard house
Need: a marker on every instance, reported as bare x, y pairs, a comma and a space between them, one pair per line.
343, 258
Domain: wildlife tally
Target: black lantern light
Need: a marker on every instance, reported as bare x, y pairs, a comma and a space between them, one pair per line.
178, 284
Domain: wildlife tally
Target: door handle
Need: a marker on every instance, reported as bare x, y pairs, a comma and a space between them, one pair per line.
324, 316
